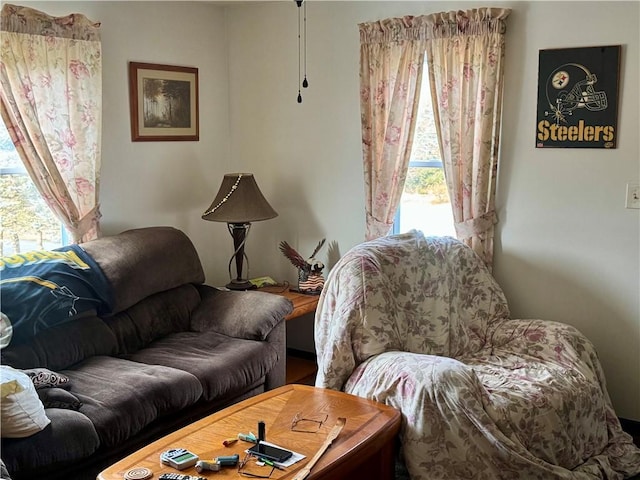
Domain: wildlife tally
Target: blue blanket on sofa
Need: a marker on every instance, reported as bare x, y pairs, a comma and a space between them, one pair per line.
42, 289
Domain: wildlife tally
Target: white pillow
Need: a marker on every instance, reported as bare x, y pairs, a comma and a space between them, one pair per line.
21, 411
6, 330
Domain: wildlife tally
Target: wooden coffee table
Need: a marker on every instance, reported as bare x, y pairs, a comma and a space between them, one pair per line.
364, 449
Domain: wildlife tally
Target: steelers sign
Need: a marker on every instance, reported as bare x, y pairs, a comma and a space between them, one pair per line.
578, 97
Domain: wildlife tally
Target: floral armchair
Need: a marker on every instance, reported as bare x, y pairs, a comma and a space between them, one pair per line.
420, 324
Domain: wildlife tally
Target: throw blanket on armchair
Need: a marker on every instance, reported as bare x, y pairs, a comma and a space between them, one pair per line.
420, 324
48, 288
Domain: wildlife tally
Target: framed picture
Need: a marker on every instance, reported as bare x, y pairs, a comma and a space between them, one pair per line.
164, 102
578, 97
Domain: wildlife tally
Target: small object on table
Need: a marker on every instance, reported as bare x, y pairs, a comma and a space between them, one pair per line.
202, 465
179, 458
310, 279
266, 461
229, 441
228, 461
248, 437
217, 463
138, 473
335, 431
178, 476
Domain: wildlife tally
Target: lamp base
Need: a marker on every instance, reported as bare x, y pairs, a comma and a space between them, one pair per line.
237, 284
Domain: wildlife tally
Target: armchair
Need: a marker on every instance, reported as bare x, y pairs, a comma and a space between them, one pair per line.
420, 324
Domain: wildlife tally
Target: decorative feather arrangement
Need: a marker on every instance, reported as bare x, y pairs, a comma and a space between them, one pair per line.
310, 279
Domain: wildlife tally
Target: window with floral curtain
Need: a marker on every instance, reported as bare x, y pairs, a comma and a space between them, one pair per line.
51, 102
465, 59
391, 60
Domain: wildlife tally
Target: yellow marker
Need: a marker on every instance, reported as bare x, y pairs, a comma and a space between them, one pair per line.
229, 441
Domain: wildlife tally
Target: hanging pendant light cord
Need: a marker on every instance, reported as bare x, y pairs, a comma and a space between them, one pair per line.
299, 52
305, 83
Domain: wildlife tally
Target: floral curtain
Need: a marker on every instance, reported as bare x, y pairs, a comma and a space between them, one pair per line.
391, 63
51, 101
465, 58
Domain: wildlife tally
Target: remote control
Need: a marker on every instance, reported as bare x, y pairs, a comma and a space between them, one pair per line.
178, 476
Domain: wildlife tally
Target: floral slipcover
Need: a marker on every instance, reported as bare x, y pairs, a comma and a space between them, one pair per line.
420, 324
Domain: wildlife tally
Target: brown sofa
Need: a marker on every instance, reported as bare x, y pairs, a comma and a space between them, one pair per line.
170, 350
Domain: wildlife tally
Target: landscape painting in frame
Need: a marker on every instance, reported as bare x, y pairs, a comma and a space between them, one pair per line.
164, 102
578, 97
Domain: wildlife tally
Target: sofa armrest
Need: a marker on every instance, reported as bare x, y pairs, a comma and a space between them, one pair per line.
241, 314
278, 374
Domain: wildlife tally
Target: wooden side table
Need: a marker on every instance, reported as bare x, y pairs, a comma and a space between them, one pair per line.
299, 370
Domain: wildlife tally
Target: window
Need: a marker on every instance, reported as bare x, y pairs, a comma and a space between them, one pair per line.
26, 222
425, 201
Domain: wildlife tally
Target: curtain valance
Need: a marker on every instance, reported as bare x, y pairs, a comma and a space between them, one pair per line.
18, 19
477, 21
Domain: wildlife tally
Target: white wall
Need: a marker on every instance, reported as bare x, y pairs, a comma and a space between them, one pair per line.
566, 249
162, 183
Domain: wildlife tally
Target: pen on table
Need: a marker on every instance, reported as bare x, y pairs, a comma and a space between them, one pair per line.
270, 463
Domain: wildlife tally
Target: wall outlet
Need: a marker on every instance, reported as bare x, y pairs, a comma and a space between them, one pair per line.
633, 195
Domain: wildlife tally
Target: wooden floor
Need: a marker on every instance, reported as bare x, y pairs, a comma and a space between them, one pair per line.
301, 370
632, 428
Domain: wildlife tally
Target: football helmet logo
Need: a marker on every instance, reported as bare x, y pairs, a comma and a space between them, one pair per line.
571, 86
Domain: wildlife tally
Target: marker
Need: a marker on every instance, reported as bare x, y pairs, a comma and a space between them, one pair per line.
270, 463
248, 437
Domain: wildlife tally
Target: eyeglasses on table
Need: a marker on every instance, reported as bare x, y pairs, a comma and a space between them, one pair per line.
249, 467
307, 424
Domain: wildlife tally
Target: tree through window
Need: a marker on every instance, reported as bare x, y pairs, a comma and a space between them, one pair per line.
425, 203
26, 222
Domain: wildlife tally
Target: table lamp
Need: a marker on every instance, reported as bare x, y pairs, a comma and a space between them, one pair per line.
239, 202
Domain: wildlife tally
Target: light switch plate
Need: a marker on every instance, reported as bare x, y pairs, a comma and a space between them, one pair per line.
633, 195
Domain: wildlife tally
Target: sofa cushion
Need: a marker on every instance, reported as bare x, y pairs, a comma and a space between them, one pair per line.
70, 436
154, 317
251, 315
63, 346
58, 398
121, 397
164, 258
222, 364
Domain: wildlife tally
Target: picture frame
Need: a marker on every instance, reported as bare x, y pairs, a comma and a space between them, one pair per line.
578, 95
163, 102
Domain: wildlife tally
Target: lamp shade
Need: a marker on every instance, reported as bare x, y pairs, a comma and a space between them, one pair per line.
239, 200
